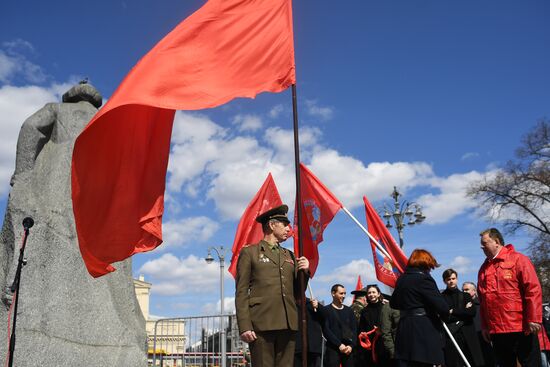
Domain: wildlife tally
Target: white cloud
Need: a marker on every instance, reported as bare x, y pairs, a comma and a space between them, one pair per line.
451, 199
469, 155
248, 122
214, 308
16, 105
8, 66
18, 45
276, 111
323, 112
462, 265
349, 179
347, 274
230, 169
13, 63
186, 230
195, 141
171, 275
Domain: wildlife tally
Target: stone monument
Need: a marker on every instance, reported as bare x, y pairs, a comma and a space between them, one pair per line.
65, 317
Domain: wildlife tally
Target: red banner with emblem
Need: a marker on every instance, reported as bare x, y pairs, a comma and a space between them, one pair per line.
319, 206
387, 270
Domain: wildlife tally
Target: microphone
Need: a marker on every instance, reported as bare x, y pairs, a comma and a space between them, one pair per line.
28, 222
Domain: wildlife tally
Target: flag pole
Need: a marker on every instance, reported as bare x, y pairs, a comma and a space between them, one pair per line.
301, 274
376, 243
395, 263
310, 291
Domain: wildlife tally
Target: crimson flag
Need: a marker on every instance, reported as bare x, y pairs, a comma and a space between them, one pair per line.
358, 286
387, 270
226, 49
319, 206
249, 231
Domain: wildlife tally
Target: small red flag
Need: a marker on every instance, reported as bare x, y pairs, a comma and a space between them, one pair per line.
358, 286
249, 231
226, 49
387, 270
319, 206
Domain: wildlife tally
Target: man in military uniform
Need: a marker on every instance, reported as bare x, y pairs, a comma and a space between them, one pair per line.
359, 302
266, 291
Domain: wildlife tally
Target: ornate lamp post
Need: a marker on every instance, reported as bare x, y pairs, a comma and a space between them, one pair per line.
404, 213
209, 259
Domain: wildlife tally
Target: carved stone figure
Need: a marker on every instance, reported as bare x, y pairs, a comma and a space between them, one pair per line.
65, 317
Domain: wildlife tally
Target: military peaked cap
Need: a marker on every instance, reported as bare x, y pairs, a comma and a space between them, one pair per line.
278, 213
360, 292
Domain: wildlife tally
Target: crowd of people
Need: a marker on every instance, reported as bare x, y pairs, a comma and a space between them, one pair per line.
499, 322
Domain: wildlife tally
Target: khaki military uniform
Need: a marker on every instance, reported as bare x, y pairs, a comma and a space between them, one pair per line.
266, 286
357, 307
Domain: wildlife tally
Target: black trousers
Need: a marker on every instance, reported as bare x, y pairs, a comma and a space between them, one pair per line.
511, 346
333, 358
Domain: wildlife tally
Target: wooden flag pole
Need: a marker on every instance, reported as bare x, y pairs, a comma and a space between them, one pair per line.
301, 274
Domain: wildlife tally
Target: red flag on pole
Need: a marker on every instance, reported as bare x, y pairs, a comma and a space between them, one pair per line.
249, 231
319, 206
358, 286
387, 270
226, 49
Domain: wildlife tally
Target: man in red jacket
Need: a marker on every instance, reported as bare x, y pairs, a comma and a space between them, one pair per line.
510, 302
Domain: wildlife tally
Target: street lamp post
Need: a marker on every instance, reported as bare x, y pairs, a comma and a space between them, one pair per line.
209, 259
402, 214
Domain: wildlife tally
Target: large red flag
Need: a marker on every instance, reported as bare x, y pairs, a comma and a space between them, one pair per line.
319, 206
249, 231
227, 49
387, 270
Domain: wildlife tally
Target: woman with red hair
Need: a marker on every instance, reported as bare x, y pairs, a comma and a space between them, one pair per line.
419, 340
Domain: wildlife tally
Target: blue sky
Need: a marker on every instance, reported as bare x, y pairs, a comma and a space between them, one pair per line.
423, 95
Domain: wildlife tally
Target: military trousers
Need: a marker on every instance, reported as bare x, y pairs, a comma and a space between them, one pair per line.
273, 348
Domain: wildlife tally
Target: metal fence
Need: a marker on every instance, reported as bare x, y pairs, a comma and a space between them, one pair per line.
196, 342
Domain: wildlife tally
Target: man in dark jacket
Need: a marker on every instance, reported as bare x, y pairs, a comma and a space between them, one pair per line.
340, 330
461, 324
314, 335
486, 348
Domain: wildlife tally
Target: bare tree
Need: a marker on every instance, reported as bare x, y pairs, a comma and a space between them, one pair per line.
518, 196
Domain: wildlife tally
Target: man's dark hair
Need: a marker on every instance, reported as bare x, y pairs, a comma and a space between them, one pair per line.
494, 234
334, 288
447, 273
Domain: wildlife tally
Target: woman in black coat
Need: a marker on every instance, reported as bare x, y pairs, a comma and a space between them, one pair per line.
371, 316
419, 340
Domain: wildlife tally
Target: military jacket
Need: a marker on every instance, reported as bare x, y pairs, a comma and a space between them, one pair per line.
266, 285
357, 307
